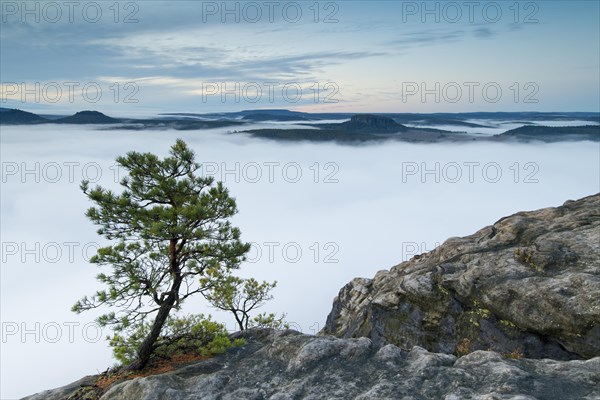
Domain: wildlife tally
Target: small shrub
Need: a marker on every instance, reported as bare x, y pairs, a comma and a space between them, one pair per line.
464, 347
515, 354
241, 297
525, 257
477, 313
265, 320
194, 334
480, 311
508, 324
442, 289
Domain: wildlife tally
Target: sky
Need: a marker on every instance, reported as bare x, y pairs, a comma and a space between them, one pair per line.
142, 58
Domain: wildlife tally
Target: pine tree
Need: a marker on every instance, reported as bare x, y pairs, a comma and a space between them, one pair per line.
169, 229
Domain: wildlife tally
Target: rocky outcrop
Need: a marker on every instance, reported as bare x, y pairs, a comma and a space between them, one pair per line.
529, 284
287, 365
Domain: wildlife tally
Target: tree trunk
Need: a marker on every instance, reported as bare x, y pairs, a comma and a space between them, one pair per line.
240, 322
147, 347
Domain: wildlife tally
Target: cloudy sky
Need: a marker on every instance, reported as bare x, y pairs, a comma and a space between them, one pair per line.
349, 56
352, 213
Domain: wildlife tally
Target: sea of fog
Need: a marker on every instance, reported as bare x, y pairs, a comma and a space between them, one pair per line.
490, 127
318, 215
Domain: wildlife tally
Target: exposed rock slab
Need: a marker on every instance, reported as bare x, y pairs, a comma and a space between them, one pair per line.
83, 389
528, 284
288, 365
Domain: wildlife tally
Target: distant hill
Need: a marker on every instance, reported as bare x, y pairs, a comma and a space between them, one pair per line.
366, 123
361, 128
275, 111
12, 116
355, 128
19, 117
87, 117
458, 119
372, 124
280, 115
553, 133
314, 135
258, 117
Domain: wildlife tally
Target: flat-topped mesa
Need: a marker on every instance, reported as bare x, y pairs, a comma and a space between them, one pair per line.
376, 123
528, 284
87, 117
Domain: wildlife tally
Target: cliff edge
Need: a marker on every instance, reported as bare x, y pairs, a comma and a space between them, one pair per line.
529, 285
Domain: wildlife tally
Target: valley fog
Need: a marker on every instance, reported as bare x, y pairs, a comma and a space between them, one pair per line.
317, 216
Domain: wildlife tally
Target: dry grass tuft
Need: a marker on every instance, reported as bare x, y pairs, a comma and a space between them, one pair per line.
158, 367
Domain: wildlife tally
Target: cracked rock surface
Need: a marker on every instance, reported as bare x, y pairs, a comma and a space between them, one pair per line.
528, 284
286, 365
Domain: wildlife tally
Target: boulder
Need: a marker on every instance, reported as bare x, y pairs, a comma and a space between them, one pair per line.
528, 285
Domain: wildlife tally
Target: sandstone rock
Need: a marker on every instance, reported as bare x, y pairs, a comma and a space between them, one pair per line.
330, 368
528, 284
82, 389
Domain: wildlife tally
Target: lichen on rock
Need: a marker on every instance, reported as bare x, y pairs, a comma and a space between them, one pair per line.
530, 283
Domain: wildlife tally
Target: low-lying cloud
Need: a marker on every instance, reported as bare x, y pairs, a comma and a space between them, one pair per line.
318, 215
